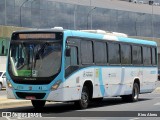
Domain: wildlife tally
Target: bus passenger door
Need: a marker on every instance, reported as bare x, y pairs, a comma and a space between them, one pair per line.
149, 72
99, 90
113, 81
113, 71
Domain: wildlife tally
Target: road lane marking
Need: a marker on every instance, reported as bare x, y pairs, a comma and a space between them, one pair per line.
93, 119
157, 103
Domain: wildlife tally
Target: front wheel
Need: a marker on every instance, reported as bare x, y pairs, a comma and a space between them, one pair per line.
38, 104
84, 101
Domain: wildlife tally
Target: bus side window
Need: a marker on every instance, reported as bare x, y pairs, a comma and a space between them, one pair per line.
136, 55
72, 60
113, 53
86, 52
100, 53
125, 54
154, 59
146, 56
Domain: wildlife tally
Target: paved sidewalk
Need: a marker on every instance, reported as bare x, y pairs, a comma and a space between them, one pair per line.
157, 90
5, 102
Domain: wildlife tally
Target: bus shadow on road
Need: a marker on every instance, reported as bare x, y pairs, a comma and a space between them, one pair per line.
68, 107
114, 101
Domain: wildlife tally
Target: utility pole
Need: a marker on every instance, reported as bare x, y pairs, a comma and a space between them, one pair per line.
89, 14
21, 11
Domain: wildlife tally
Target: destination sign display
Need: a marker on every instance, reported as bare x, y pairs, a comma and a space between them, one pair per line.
37, 36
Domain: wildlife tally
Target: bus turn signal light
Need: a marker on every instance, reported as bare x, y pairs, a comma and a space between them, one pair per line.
56, 85
9, 84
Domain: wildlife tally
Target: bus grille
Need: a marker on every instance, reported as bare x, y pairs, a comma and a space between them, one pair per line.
23, 95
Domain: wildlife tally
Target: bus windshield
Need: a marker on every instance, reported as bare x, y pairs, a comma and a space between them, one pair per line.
34, 59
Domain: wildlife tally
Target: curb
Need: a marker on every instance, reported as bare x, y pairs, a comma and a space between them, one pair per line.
157, 90
10, 103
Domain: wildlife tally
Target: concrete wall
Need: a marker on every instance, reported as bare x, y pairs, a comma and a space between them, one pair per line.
116, 4
3, 60
6, 31
111, 15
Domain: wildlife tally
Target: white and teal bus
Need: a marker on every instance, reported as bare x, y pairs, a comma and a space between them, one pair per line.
68, 65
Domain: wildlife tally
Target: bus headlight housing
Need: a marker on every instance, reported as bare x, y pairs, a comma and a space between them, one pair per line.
56, 85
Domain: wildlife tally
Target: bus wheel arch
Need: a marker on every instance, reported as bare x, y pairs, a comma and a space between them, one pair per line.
137, 81
89, 85
86, 95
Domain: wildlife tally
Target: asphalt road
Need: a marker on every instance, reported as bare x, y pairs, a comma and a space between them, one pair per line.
108, 108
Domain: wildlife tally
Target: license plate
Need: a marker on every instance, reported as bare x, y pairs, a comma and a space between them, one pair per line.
30, 97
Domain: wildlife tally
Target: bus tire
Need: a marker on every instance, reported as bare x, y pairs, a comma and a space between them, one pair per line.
38, 104
84, 101
135, 93
134, 96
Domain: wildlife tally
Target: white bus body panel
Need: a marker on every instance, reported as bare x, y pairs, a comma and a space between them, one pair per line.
107, 82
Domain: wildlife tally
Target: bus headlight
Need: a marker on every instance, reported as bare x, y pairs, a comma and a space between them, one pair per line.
56, 85
9, 84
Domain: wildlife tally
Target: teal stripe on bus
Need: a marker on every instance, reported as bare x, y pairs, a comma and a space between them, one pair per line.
101, 82
138, 41
84, 34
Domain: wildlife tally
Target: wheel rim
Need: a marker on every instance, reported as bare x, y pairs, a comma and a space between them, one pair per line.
84, 99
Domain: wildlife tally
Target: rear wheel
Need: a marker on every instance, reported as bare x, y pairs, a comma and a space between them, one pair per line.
134, 96
84, 101
135, 93
38, 104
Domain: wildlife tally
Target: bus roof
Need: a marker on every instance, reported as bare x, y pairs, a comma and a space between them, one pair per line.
109, 37
85, 34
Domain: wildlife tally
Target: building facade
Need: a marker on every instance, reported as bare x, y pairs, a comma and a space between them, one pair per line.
78, 14
73, 15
